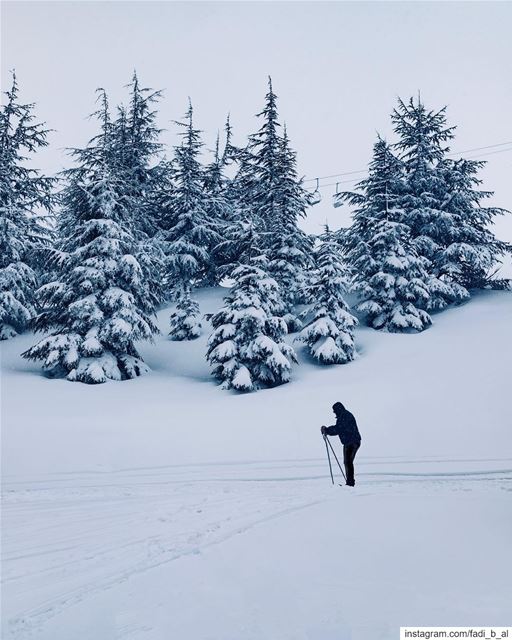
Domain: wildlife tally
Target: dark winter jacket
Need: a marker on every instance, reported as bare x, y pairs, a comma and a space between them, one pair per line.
345, 428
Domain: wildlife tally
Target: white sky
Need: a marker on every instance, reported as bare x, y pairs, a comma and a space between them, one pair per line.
337, 68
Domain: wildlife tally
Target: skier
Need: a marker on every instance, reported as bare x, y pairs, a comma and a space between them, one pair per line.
346, 429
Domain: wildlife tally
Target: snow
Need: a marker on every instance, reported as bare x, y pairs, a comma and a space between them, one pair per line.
165, 507
225, 350
242, 379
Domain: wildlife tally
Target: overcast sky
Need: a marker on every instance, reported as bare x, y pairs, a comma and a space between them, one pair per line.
337, 68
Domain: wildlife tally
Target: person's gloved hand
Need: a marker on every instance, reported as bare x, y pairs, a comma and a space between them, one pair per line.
323, 430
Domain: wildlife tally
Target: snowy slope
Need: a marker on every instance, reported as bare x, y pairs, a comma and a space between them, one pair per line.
166, 508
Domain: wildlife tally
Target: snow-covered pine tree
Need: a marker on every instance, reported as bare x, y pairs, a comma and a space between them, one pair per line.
263, 164
185, 319
423, 145
212, 175
472, 256
220, 205
244, 183
145, 175
246, 348
271, 196
387, 273
138, 151
242, 231
329, 332
24, 229
215, 180
98, 306
290, 248
191, 234
237, 247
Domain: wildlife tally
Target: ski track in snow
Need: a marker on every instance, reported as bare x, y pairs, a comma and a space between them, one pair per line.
73, 535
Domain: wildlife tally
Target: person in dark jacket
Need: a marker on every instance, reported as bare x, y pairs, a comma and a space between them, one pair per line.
346, 429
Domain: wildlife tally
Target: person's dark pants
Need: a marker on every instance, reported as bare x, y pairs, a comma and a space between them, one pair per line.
349, 453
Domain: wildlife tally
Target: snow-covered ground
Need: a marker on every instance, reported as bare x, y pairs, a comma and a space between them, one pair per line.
165, 507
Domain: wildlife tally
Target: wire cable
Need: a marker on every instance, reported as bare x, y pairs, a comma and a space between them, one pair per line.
452, 153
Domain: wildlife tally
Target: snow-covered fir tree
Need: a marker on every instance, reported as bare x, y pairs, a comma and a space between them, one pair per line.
98, 306
290, 247
472, 255
185, 320
191, 233
237, 247
24, 230
388, 274
270, 186
263, 158
442, 230
216, 182
145, 175
329, 332
246, 348
271, 196
220, 205
138, 151
242, 230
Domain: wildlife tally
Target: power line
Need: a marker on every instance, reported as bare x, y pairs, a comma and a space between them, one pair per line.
489, 153
453, 153
490, 146
334, 184
335, 175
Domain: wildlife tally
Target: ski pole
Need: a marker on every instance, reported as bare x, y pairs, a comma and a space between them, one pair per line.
328, 458
336, 457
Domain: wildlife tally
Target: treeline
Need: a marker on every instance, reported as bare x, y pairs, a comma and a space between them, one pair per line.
89, 256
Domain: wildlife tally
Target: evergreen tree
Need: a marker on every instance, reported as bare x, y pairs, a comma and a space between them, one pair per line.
246, 347
387, 272
98, 305
290, 249
472, 253
24, 230
184, 321
137, 148
244, 184
241, 229
220, 207
135, 139
191, 233
423, 137
329, 334
263, 165
216, 182
238, 246
270, 195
